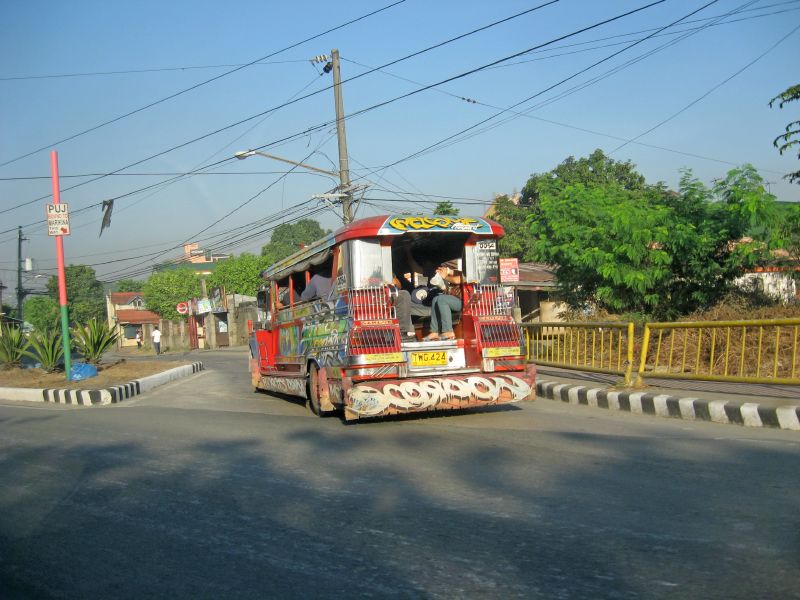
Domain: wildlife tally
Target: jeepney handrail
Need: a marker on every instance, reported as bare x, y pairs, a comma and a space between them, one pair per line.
489, 299
370, 303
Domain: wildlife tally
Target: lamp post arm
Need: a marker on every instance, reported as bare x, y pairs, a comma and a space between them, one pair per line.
286, 160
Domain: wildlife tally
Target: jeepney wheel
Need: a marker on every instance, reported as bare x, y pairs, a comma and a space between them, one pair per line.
313, 389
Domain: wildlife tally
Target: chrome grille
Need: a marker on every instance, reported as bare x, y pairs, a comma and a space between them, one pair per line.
486, 300
370, 303
499, 334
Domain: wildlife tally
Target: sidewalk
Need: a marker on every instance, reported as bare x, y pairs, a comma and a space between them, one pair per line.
751, 405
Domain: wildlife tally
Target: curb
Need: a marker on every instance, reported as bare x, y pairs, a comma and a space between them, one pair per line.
108, 395
749, 414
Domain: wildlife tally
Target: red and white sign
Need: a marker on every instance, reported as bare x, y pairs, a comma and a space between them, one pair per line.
57, 219
182, 308
509, 270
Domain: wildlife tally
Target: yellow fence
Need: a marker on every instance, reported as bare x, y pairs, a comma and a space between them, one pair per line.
737, 351
598, 347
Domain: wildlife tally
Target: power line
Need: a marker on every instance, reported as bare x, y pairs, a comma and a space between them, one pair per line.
202, 83
149, 70
439, 143
327, 123
706, 94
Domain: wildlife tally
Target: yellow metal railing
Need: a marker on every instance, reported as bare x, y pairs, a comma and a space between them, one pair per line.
598, 347
764, 351
739, 351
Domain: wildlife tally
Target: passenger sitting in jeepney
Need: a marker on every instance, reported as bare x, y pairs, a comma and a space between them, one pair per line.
284, 300
319, 286
445, 304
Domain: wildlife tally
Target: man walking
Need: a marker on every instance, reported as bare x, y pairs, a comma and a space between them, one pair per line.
156, 335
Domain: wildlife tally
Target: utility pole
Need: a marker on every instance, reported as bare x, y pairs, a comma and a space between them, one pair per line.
20, 289
344, 166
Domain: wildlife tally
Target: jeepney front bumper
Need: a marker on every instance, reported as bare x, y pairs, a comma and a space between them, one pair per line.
447, 392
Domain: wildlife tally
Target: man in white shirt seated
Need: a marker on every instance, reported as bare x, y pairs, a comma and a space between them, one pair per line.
318, 286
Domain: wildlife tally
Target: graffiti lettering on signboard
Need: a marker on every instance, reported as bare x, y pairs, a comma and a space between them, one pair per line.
427, 394
425, 223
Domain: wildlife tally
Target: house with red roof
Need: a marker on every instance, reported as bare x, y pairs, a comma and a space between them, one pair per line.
127, 315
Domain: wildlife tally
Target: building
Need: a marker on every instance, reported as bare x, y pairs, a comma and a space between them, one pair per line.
127, 315
194, 258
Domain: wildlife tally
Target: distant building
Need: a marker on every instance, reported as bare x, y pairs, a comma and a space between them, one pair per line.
127, 315
194, 258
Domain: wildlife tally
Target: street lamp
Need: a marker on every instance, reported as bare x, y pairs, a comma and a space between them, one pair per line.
242, 154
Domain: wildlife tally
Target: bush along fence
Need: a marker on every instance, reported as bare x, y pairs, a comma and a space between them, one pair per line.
756, 351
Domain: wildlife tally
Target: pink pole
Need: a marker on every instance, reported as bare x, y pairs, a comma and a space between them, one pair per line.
62, 278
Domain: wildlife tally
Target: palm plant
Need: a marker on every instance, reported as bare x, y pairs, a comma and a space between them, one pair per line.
13, 344
46, 348
93, 339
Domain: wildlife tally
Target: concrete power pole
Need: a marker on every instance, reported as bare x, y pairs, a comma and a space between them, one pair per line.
20, 289
344, 166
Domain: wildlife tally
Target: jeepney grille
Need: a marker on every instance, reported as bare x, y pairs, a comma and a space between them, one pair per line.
499, 334
374, 340
370, 303
486, 300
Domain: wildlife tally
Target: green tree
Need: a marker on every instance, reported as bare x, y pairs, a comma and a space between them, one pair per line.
791, 136
288, 238
626, 246
164, 290
42, 312
446, 208
240, 274
129, 285
595, 170
85, 295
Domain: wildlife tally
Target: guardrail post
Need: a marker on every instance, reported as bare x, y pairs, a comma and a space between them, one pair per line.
643, 359
629, 354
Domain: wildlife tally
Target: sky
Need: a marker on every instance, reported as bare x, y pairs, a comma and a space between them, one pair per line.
147, 102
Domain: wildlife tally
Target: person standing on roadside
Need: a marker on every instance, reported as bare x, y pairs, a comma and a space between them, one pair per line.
156, 335
139, 339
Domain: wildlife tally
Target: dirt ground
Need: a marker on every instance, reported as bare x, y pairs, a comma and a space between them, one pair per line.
121, 371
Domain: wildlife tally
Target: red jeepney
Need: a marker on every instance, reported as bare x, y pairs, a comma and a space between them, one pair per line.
344, 350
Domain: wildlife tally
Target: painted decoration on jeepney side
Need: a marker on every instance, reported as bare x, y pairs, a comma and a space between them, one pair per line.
404, 224
326, 341
288, 340
368, 400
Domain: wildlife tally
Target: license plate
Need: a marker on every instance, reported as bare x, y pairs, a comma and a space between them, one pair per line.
497, 352
429, 359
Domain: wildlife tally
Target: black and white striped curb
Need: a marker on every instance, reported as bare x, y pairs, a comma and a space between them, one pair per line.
108, 395
749, 414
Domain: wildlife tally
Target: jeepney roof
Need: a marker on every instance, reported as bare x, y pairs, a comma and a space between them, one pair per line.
381, 225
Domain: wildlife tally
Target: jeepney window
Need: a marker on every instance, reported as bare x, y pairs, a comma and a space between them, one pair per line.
482, 264
263, 305
367, 263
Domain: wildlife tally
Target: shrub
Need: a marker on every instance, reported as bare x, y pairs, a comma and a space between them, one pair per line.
47, 348
12, 346
93, 339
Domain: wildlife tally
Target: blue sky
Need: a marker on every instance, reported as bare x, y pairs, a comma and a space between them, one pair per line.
69, 67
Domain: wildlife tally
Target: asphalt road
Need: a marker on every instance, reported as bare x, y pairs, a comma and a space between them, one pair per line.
204, 489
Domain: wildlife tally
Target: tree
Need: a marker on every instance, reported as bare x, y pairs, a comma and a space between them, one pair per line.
164, 290
626, 246
446, 208
241, 274
42, 312
595, 170
288, 238
129, 285
791, 136
85, 295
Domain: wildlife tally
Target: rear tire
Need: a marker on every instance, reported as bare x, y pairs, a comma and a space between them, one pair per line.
313, 389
